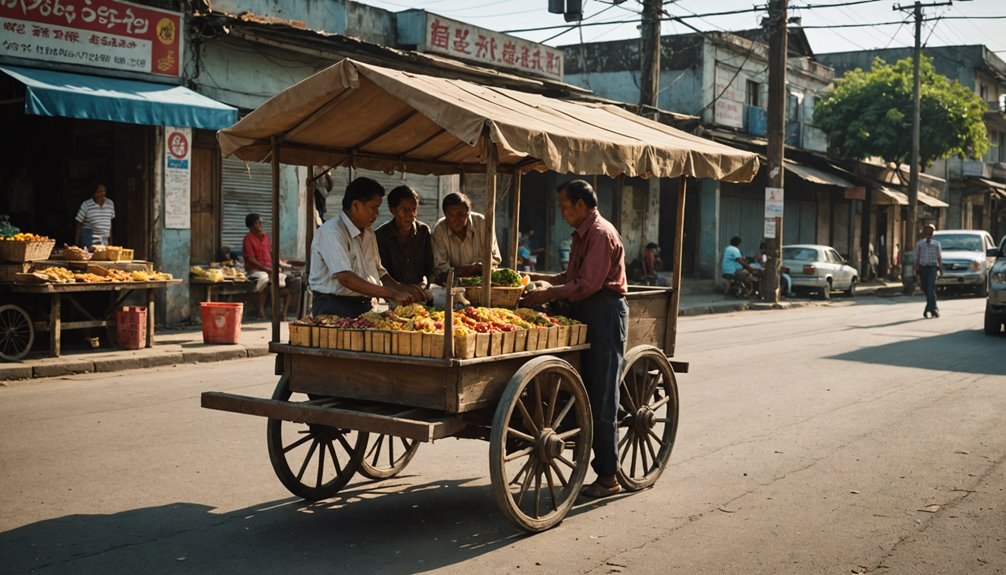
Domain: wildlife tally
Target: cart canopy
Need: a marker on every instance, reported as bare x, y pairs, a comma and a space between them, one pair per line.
383, 119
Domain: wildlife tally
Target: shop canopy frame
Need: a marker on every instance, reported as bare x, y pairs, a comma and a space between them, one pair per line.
366, 116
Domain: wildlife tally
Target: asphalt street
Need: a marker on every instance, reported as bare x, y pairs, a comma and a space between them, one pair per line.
855, 437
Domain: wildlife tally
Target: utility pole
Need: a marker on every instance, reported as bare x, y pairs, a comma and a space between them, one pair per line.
913, 173
777, 96
649, 82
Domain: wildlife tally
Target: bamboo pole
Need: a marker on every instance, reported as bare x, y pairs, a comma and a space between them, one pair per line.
274, 274
515, 218
492, 157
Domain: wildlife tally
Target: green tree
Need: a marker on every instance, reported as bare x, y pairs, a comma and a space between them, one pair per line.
869, 113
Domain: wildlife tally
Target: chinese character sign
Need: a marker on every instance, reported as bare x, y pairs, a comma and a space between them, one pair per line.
103, 33
468, 42
177, 177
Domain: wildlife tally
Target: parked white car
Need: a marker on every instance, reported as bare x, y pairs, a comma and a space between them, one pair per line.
819, 269
995, 305
966, 262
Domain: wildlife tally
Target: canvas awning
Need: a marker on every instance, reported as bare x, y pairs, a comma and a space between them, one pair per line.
816, 175
52, 93
901, 198
383, 119
994, 187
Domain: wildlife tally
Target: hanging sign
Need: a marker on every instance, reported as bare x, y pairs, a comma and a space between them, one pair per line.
858, 193
769, 228
101, 33
177, 177
467, 42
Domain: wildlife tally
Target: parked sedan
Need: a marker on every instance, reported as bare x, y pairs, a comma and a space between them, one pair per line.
966, 262
819, 269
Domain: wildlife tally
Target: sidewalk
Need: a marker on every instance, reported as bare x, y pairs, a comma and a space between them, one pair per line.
185, 345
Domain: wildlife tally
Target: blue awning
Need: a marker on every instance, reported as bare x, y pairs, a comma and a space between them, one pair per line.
51, 93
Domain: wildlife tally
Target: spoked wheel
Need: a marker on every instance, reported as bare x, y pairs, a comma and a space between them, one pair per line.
17, 334
312, 461
647, 417
540, 443
387, 456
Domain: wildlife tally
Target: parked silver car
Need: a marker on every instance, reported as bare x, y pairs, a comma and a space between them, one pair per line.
819, 268
966, 262
995, 305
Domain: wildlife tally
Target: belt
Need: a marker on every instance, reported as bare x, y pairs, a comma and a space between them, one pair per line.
345, 298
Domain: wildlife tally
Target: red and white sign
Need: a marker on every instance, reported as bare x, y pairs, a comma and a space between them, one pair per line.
467, 42
177, 178
102, 33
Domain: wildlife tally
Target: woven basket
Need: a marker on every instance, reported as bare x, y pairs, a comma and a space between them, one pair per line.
20, 251
109, 254
498, 296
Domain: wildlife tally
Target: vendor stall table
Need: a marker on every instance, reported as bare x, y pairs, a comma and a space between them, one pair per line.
224, 288
118, 291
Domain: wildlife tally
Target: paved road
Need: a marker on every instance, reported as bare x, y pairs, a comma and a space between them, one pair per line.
856, 437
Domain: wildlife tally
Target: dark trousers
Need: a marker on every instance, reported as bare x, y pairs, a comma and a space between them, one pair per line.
927, 277
342, 306
607, 318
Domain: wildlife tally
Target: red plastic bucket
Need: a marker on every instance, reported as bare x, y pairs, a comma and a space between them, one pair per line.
221, 321
131, 325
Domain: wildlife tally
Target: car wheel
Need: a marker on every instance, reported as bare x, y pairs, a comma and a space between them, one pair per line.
983, 289
993, 323
852, 288
826, 290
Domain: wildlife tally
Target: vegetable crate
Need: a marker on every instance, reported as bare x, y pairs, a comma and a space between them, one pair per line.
23, 251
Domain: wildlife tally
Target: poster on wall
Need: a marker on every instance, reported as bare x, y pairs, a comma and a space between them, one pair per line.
177, 177
101, 33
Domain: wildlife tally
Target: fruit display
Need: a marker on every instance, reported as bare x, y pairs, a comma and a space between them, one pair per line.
419, 330
502, 277
95, 274
215, 273
23, 237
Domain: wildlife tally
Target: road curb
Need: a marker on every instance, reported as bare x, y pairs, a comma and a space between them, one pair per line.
12, 372
105, 365
216, 353
57, 368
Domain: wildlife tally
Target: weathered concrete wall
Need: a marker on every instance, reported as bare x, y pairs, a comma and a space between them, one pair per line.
709, 229
327, 15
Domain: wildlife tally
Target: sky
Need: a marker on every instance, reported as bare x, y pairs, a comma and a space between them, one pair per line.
512, 15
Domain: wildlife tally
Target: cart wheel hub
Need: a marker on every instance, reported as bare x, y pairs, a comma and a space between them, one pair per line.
549, 446
645, 419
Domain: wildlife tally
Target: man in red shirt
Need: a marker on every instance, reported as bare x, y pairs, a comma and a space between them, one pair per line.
257, 251
595, 284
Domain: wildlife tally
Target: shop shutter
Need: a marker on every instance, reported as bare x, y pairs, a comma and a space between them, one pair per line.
428, 188
246, 188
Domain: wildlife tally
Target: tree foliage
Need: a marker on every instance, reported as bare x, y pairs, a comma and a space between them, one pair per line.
869, 113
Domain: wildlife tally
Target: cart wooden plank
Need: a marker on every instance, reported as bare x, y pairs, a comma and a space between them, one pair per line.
433, 426
91, 286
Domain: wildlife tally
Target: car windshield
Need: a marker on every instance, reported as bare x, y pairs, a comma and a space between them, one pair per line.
800, 254
960, 242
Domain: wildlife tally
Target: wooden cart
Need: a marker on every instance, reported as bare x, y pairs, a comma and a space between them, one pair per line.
334, 413
32, 308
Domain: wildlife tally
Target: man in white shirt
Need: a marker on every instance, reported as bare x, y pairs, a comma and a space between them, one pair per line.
459, 239
94, 220
346, 270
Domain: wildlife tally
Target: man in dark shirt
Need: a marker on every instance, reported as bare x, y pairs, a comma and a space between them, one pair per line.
595, 284
405, 244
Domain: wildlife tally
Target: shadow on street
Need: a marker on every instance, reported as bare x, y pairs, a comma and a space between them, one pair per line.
938, 352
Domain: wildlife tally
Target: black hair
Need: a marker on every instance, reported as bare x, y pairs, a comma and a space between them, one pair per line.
400, 193
362, 189
250, 220
652, 246
577, 190
735, 241
455, 199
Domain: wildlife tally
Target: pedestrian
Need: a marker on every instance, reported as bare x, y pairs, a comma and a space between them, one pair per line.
595, 285
346, 270
94, 219
928, 265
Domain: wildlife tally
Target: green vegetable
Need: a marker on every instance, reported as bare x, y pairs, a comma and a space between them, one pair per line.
505, 277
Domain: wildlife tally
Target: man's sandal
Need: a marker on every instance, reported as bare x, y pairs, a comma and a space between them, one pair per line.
597, 490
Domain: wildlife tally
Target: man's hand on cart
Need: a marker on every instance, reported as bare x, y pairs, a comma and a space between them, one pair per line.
537, 298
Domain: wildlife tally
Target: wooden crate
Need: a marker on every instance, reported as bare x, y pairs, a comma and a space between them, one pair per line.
496, 343
464, 346
563, 339
482, 345
509, 339
520, 340
532, 339
9, 270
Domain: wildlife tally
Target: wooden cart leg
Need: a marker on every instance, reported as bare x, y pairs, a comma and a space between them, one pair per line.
54, 324
150, 317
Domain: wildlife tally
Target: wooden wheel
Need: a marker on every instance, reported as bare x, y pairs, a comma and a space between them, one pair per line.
540, 443
387, 456
17, 333
647, 417
312, 461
